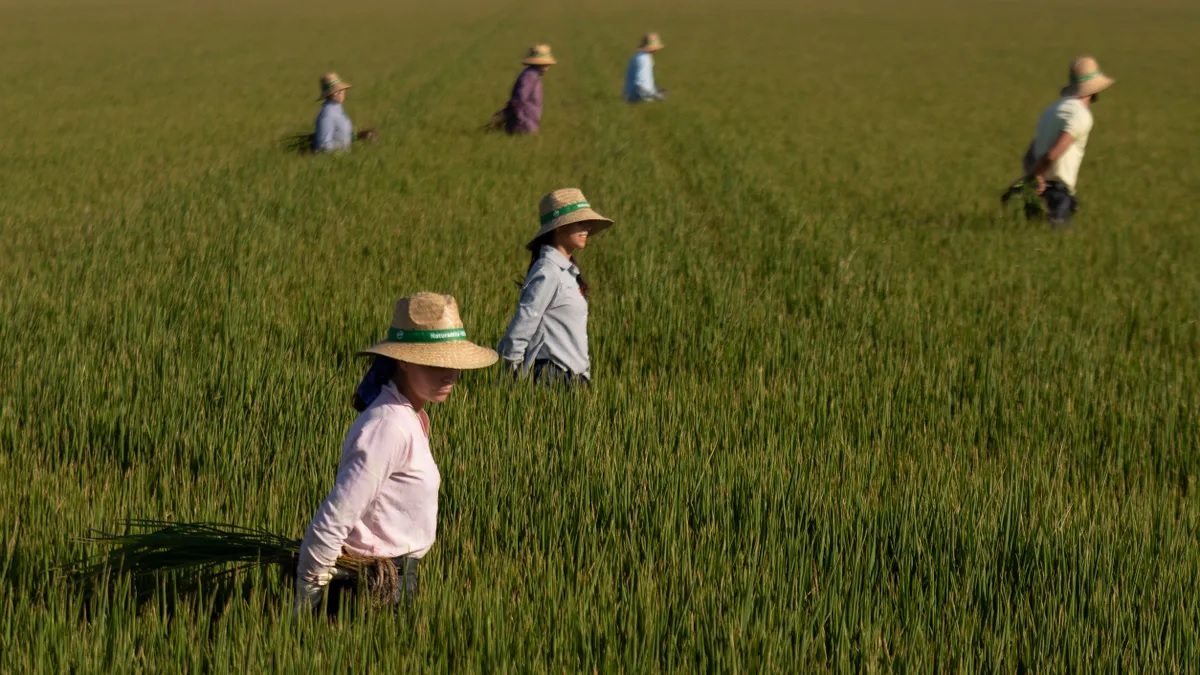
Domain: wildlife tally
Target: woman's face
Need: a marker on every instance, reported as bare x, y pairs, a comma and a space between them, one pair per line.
572, 237
429, 383
338, 97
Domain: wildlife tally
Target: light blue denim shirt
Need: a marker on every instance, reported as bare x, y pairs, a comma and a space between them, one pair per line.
551, 318
639, 79
334, 130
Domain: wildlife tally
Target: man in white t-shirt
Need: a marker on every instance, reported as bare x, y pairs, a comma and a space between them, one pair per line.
1057, 149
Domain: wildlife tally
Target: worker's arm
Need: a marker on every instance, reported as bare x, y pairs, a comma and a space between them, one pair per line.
1038, 172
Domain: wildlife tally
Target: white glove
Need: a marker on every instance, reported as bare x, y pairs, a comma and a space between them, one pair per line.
308, 593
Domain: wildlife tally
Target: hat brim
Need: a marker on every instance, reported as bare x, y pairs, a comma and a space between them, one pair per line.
653, 48
341, 87
599, 224
539, 61
1092, 86
460, 355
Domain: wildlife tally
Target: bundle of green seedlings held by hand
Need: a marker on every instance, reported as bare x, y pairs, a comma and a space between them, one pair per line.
206, 554
301, 143
496, 122
1027, 190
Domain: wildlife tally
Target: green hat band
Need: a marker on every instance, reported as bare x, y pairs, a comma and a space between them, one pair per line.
1084, 78
564, 210
447, 335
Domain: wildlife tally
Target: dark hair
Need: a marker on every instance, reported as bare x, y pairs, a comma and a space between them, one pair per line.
535, 252
381, 370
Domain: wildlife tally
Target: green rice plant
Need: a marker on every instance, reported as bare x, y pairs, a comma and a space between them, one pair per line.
205, 555
1030, 202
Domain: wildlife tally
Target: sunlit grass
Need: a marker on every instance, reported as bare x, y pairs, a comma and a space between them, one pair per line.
848, 412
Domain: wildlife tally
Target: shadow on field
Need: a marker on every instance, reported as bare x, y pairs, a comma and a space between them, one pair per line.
175, 595
977, 219
176, 598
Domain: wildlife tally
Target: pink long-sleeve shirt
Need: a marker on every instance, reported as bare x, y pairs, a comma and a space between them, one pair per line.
385, 499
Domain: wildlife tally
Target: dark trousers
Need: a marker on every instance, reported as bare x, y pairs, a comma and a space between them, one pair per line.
342, 592
1059, 202
551, 374
406, 593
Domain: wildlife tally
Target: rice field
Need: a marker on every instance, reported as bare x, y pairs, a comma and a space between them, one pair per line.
848, 413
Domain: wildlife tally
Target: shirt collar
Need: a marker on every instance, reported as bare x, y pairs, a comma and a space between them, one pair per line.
555, 256
390, 389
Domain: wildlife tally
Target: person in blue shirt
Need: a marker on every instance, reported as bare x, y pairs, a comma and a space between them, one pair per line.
334, 129
548, 334
639, 77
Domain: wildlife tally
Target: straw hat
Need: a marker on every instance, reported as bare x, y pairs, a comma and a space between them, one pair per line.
426, 330
563, 207
539, 55
651, 43
1085, 78
332, 84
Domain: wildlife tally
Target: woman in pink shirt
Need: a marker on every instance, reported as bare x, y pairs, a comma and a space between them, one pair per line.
384, 501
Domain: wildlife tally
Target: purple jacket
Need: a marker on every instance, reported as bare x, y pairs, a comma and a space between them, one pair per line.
523, 114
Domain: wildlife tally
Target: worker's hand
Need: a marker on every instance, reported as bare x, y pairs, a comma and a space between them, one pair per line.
309, 592
1041, 184
513, 369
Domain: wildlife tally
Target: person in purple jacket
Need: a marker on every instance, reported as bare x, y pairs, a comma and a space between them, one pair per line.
523, 114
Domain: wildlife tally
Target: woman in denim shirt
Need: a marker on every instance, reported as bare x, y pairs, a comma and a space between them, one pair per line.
548, 333
334, 129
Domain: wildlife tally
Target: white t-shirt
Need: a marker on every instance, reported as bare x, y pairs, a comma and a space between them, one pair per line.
1072, 116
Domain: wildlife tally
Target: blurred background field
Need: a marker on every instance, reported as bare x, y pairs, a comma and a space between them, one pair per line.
848, 413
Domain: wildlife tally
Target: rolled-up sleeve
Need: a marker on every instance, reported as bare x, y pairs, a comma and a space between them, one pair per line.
536, 295
366, 463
